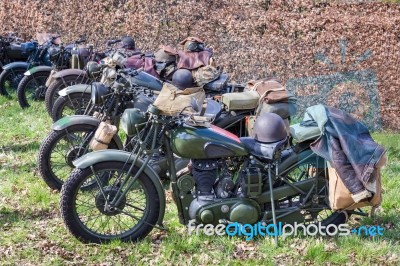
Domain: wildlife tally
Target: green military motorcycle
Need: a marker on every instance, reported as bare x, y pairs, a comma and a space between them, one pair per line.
229, 180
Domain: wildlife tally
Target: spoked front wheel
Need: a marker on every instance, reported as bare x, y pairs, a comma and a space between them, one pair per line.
32, 88
95, 216
60, 148
72, 104
9, 80
59, 84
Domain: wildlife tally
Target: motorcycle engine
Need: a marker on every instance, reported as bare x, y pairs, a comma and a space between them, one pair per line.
218, 198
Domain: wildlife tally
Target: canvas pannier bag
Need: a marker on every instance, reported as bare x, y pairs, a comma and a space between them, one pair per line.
273, 98
171, 100
102, 136
240, 100
340, 197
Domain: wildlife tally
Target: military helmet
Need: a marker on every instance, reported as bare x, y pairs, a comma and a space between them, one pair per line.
182, 79
128, 43
269, 127
93, 69
192, 44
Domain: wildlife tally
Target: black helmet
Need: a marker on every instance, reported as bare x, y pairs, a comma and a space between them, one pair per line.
93, 69
182, 78
128, 43
269, 127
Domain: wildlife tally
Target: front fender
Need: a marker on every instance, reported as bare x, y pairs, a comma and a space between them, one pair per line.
33, 70
68, 121
93, 158
16, 65
81, 88
70, 72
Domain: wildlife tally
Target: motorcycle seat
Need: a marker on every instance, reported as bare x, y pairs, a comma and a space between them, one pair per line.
263, 150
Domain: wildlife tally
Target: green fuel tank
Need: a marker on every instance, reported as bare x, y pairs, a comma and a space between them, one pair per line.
205, 143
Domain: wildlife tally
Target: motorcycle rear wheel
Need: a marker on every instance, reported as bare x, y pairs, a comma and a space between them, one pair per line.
302, 169
91, 220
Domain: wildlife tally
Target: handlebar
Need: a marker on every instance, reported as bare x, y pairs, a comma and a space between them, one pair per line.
80, 40
55, 37
111, 42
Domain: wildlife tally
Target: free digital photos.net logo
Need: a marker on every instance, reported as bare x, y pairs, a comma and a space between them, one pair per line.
353, 91
260, 229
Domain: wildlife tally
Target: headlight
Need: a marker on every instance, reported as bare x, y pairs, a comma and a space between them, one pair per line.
130, 118
98, 90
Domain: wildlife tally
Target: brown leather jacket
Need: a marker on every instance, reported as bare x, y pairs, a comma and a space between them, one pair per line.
347, 144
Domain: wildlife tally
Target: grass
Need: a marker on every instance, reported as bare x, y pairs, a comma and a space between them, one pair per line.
32, 232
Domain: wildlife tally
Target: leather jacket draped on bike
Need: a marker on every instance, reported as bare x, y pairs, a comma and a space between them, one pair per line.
347, 144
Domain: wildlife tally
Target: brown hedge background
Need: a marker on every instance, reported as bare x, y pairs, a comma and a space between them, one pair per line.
343, 53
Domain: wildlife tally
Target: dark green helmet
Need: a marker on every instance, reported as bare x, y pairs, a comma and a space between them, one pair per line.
93, 69
268, 128
130, 118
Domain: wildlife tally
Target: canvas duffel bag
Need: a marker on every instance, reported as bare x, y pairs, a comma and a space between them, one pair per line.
102, 136
171, 100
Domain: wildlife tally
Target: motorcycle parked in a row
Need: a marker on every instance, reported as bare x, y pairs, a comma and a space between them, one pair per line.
55, 153
33, 85
70, 136
77, 75
15, 59
251, 181
11, 50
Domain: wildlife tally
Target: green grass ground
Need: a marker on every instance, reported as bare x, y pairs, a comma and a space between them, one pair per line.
32, 233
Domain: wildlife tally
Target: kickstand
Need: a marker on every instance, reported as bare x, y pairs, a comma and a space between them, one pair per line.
273, 203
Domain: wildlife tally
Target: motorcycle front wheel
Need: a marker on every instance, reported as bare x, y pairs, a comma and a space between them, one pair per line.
71, 104
89, 214
32, 88
59, 84
9, 80
60, 148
